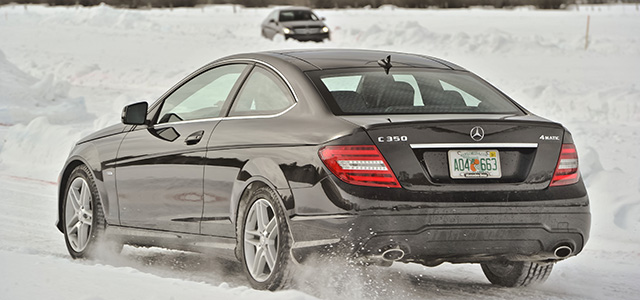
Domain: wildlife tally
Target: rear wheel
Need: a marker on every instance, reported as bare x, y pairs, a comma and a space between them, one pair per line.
516, 273
265, 242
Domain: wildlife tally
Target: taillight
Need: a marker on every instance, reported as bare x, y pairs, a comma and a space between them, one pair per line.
360, 165
567, 168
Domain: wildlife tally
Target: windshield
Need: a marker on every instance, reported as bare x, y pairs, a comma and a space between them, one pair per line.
408, 91
297, 15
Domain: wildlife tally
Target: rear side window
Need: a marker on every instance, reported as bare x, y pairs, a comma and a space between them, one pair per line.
262, 94
409, 91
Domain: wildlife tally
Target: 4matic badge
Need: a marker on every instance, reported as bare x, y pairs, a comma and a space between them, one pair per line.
550, 137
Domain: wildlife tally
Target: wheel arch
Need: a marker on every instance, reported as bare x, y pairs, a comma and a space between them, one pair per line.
62, 184
260, 171
256, 174
84, 154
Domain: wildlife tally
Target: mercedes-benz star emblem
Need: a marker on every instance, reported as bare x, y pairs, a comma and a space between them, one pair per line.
477, 133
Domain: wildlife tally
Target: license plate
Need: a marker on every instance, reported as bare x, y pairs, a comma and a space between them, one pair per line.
474, 164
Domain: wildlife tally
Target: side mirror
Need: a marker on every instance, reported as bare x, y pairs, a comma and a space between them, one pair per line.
323, 19
135, 114
272, 21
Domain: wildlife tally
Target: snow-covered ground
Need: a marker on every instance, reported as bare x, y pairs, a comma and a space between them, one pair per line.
67, 71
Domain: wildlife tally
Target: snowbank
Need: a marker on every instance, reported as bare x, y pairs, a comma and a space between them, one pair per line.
23, 97
43, 122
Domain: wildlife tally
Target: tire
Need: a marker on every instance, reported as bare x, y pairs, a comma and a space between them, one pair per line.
516, 273
265, 35
83, 216
265, 241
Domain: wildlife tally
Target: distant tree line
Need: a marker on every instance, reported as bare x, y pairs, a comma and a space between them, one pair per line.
543, 4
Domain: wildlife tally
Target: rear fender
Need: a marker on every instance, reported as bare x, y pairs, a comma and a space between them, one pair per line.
267, 172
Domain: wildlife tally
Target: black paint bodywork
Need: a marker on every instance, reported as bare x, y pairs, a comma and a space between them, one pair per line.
158, 190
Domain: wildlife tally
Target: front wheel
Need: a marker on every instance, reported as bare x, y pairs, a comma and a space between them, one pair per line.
265, 35
516, 273
84, 219
265, 241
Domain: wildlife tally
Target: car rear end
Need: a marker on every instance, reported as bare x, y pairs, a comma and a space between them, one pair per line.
441, 167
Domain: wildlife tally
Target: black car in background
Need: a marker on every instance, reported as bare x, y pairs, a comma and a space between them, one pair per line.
298, 23
379, 157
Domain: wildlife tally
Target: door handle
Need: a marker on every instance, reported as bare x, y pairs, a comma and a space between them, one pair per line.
194, 138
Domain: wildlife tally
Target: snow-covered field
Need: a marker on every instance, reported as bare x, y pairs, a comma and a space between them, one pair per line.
65, 72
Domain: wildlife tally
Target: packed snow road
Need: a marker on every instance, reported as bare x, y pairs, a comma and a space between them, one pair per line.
36, 266
66, 72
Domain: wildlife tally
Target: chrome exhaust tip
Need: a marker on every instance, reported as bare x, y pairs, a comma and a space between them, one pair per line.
393, 254
562, 252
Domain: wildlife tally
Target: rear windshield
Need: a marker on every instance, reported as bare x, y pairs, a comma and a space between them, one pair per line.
408, 91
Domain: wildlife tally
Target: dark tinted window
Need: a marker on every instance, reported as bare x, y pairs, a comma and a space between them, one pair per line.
262, 94
297, 15
201, 97
409, 91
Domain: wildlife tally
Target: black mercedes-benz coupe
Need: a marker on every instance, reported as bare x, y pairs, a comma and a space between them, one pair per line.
272, 157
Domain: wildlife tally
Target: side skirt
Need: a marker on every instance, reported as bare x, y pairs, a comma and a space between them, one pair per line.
219, 246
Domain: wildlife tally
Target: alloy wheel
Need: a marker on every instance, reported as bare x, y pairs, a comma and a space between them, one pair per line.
79, 214
261, 234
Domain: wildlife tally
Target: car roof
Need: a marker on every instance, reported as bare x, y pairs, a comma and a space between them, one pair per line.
326, 59
292, 8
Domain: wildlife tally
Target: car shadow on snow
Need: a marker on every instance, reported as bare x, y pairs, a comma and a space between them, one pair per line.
328, 278
179, 264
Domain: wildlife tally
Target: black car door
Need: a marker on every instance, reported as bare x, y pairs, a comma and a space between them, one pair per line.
238, 138
159, 169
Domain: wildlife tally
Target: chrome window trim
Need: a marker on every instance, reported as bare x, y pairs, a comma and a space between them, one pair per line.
183, 81
240, 60
162, 125
169, 124
262, 116
473, 145
295, 96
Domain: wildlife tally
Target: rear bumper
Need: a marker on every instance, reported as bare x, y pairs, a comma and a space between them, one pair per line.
451, 232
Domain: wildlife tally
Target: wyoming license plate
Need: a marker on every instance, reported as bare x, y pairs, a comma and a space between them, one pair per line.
474, 164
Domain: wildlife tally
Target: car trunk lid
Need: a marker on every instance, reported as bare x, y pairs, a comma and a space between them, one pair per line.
461, 152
